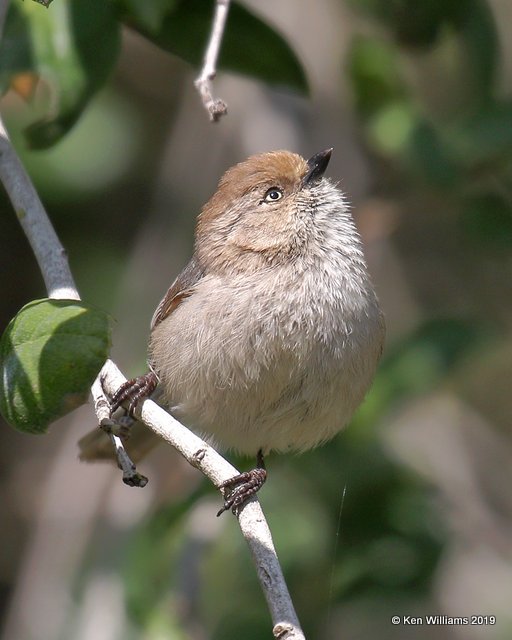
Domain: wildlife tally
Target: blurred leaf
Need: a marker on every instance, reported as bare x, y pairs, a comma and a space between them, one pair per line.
392, 561
72, 48
94, 155
249, 45
306, 519
487, 221
151, 570
415, 23
374, 74
428, 153
391, 127
481, 40
358, 485
50, 354
393, 124
249, 627
445, 339
416, 365
484, 138
150, 13
421, 24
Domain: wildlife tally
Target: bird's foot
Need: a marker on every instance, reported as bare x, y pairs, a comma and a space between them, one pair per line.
241, 487
133, 391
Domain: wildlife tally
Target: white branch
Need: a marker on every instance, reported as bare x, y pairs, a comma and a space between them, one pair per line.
251, 519
49, 252
215, 107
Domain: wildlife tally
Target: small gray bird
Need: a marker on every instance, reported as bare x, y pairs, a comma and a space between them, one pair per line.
270, 337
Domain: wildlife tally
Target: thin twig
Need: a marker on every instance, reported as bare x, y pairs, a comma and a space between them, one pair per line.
215, 106
251, 519
131, 476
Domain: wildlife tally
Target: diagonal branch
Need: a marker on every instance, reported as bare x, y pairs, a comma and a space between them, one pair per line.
49, 252
215, 106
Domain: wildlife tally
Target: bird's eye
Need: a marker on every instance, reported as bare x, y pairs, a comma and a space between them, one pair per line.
273, 194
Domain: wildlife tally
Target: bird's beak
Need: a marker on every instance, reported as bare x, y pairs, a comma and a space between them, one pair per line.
317, 165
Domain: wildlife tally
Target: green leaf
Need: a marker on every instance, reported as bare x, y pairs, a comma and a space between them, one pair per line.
375, 75
249, 46
50, 354
71, 48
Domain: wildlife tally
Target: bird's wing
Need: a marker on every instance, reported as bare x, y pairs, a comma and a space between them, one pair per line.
180, 289
96, 445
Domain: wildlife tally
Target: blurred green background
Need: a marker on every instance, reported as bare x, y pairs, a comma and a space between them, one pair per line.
409, 511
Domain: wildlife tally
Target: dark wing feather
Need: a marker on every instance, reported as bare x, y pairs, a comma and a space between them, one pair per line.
180, 289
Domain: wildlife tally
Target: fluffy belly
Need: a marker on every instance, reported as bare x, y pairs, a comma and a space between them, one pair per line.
254, 385
268, 414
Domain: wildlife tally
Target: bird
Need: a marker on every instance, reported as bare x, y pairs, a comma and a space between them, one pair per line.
270, 337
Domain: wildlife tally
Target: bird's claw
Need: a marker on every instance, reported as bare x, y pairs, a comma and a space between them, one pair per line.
133, 391
240, 488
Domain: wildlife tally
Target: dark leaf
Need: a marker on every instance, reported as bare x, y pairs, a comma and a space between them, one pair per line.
481, 47
150, 13
413, 23
487, 221
484, 138
428, 154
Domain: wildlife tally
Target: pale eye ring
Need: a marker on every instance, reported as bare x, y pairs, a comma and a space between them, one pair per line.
273, 194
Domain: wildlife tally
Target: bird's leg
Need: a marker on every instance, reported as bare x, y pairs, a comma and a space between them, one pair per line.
133, 391
119, 429
241, 487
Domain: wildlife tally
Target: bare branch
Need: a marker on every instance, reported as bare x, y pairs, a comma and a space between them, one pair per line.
131, 476
215, 106
49, 252
251, 519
